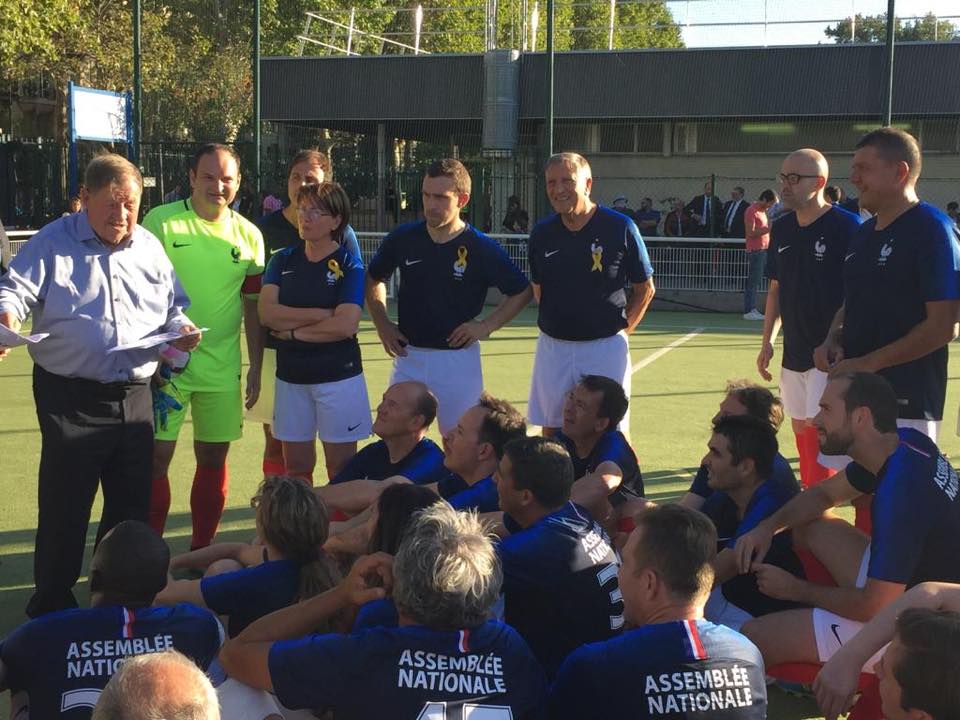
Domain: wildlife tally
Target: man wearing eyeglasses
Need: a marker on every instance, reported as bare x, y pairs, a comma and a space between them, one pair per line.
805, 269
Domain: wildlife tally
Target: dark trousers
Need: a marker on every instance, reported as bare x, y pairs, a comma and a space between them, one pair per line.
93, 434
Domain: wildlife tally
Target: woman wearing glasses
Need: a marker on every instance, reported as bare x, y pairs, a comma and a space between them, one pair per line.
311, 300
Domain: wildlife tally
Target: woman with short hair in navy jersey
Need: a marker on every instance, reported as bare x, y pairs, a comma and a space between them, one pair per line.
312, 298
290, 565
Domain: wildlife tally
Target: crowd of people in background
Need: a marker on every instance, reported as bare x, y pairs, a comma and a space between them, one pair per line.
503, 573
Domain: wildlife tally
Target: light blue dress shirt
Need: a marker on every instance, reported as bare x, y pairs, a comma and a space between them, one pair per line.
91, 297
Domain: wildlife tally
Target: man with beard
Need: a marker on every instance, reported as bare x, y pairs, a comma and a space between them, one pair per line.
446, 268
915, 516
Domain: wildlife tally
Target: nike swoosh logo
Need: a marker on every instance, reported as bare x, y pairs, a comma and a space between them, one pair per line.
408, 263
781, 249
286, 272
835, 627
552, 252
849, 256
275, 251
180, 245
351, 429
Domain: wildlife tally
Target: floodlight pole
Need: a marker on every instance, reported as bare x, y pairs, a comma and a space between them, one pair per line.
137, 84
888, 86
549, 112
256, 99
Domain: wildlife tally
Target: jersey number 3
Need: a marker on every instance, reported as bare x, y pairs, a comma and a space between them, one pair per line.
438, 711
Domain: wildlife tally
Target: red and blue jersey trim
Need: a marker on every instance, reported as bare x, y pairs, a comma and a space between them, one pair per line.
693, 638
129, 617
463, 642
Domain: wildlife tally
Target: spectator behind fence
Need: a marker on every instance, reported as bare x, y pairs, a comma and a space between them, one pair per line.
900, 297
757, 228
678, 222
733, 211
621, 206
833, 194
73, 206
671, 662
705, 211
953, 211
648, 219
93, 406
444, 655
159, 685
517, 220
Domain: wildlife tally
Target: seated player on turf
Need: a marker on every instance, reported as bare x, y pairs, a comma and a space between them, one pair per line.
918, 677
403, 418
473, 449
915, 516
445, 656
293, 524
671, 662
744, 398
560, 572
739, 463
604, 465
56, 666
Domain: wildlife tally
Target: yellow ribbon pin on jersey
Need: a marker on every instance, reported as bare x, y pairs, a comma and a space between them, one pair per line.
335, 268
596, 252
460, 266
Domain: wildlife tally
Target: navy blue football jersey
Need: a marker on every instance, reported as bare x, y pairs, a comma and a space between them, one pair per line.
583, 275
612, 446
915, 513
560, 584
443, 285
411, 673
482, 496
681, 669
422, 466
889, 276
249, 594
807, 263
64, 659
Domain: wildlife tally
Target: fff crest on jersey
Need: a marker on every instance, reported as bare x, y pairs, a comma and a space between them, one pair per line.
819, 248
885, 252
460, 264
235, 254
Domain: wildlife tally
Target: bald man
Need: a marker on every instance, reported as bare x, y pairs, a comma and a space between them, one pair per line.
164, 684
805, 268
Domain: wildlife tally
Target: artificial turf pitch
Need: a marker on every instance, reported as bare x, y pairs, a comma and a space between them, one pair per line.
681, 362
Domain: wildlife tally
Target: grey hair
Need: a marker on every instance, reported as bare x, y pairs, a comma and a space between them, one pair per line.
575, 160
109, 169
132, 693
447, 575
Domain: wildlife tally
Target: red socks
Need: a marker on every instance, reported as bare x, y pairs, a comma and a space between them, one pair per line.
159, 504
808, 447
273, 467
207, 498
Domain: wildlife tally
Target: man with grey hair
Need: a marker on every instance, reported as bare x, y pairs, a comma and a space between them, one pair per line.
158, 685
94, 281
444, 656
582, 260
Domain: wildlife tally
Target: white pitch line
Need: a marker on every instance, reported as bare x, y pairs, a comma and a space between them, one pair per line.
665, 349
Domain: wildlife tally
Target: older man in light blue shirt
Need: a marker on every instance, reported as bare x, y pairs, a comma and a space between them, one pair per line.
93, 281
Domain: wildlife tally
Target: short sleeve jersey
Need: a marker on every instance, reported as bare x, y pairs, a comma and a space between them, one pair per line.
583, 275
682, 669
888, 276
782, 477
482, 496
443, 285
376, 613
411, 672
422, 466
560, 584
212, 260
807, 263
915, 513
249, 594
63, 660
334, 280
279, 233
612, 446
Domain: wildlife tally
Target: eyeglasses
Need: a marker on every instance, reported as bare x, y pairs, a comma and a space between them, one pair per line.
313, 214
793, 178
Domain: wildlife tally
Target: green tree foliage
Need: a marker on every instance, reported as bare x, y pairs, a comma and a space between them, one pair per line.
873, 29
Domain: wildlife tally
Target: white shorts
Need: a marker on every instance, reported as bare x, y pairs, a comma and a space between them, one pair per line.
721, 611
930, 428
454, 376
336, 412
559, 364
801, 391
262, 411
832, 631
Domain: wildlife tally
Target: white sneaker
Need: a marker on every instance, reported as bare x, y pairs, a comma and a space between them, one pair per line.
753, 315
